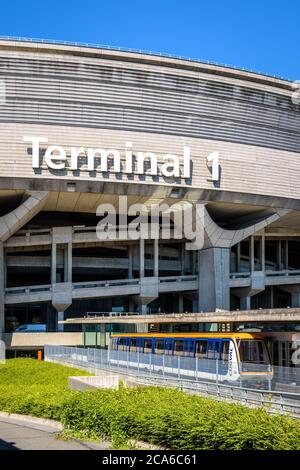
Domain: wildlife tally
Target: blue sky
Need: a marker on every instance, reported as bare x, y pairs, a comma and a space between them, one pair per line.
262, 35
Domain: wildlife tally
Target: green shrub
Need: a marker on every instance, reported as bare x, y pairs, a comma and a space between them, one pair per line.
161, 416
30, 387
176, 420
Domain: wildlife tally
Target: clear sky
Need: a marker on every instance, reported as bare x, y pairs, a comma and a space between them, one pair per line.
261, 35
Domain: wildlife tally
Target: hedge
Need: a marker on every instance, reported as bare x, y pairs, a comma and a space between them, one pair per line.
175, 420
161, 416
35, 388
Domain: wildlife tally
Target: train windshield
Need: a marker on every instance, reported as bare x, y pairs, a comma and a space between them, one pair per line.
253, 352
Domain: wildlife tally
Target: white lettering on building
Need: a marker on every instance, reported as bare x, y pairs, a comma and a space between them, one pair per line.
109, 160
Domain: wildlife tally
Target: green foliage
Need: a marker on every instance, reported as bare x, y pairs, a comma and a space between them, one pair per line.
160, 416
34, 388
175, 420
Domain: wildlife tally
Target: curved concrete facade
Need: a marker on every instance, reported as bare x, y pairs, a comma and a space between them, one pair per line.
91, 98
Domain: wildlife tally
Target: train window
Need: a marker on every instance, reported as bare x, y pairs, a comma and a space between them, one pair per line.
201, 349
133, 343
213, 349
123, 343
148, 345
252, 351
178, 346
159, 346
225, 351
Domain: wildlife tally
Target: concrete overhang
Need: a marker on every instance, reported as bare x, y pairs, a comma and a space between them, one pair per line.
226, 316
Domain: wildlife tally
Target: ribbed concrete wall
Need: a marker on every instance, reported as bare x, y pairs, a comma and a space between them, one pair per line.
81, 93
96, 99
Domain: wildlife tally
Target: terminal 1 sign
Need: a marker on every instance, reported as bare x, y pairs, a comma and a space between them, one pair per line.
57, 157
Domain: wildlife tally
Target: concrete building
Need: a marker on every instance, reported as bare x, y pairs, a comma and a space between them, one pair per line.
52, 264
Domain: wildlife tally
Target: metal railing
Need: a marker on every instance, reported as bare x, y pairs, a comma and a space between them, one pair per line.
184, 373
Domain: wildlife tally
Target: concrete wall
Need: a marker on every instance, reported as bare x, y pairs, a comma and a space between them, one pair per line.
35, 340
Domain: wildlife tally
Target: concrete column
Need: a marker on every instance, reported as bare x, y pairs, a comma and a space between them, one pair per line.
60, 317
2, 290
295, 297
272, 297
142, 258
195, 262
156, 258
238, 258
245, 303
130, 260
143, 309
130, 304
287, 254
262, 253
182, 259
279, 255
53, 262
70, 261
214, 269
180, 303
251, 251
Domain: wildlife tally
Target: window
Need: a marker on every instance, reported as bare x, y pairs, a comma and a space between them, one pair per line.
252, 351
148, 345
201, 349
224, 351
159, 346
178, 346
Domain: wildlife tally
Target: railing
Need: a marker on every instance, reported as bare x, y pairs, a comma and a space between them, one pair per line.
244, 275
184, 373
268, 273
131, 50
32, 232
171, 279
285, 272
28, 289
111, 283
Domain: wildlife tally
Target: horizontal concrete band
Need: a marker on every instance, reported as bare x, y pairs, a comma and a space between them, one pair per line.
261, 315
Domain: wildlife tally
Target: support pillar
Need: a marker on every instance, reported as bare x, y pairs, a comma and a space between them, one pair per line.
182, 259
286, 255
130, 260
295, 299
180, 303
279, 256
143, 309
156, 258
245, 303
142, 258
238, 257
68, 262
130, 305
214, 269
53, 262
60, 317
251, 250
262, 253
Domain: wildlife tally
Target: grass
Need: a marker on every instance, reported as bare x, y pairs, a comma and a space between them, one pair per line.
159, 416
